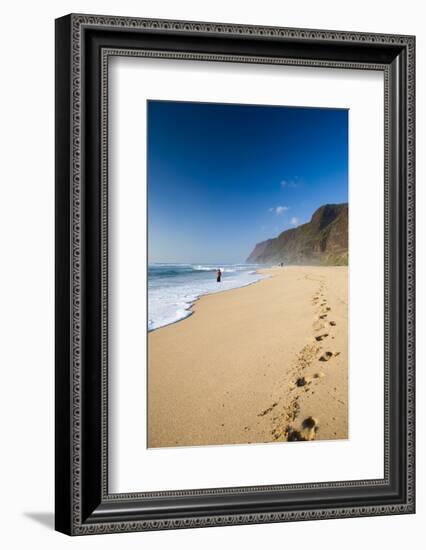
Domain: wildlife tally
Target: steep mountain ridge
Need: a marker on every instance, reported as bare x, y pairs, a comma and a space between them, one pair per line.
321, 241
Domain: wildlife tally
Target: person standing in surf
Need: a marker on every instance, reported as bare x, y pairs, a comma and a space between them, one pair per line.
218, 275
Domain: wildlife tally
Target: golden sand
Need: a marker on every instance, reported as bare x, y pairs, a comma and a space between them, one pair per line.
263, 363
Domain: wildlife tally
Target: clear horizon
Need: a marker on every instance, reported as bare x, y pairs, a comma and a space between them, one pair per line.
224, 177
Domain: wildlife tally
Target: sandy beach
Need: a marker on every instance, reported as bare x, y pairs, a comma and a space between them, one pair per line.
262, 363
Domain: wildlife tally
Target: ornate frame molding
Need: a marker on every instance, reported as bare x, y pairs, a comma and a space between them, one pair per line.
72, 46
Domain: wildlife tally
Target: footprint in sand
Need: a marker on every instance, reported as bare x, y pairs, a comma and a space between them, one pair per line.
304, 380
307, 433
326, 356
318, 325
320, 337
309, 428
333, 323
323, 316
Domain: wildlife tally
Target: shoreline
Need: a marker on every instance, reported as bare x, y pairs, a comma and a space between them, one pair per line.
191, 303
253, 366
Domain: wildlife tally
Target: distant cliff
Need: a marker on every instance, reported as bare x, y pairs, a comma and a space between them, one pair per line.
322, 241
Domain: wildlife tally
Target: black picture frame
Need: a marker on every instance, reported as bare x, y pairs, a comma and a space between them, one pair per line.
83, 46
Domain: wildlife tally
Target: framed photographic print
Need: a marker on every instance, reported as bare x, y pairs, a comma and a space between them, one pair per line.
234, 274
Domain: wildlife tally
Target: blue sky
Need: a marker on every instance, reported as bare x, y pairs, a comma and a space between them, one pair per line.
223, 177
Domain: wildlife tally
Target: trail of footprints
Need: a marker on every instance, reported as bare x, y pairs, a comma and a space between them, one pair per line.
310, 353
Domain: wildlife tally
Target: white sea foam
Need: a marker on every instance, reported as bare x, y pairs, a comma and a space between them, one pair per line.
212, 268
173, 288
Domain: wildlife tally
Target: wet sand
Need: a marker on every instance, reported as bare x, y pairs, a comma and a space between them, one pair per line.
258, 364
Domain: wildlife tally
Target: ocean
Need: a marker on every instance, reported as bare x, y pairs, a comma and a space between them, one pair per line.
173, 288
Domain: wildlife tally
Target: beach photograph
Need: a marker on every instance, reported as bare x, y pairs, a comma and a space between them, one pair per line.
247, 209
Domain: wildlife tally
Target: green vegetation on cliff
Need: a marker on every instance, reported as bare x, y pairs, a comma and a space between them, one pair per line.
321, 241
